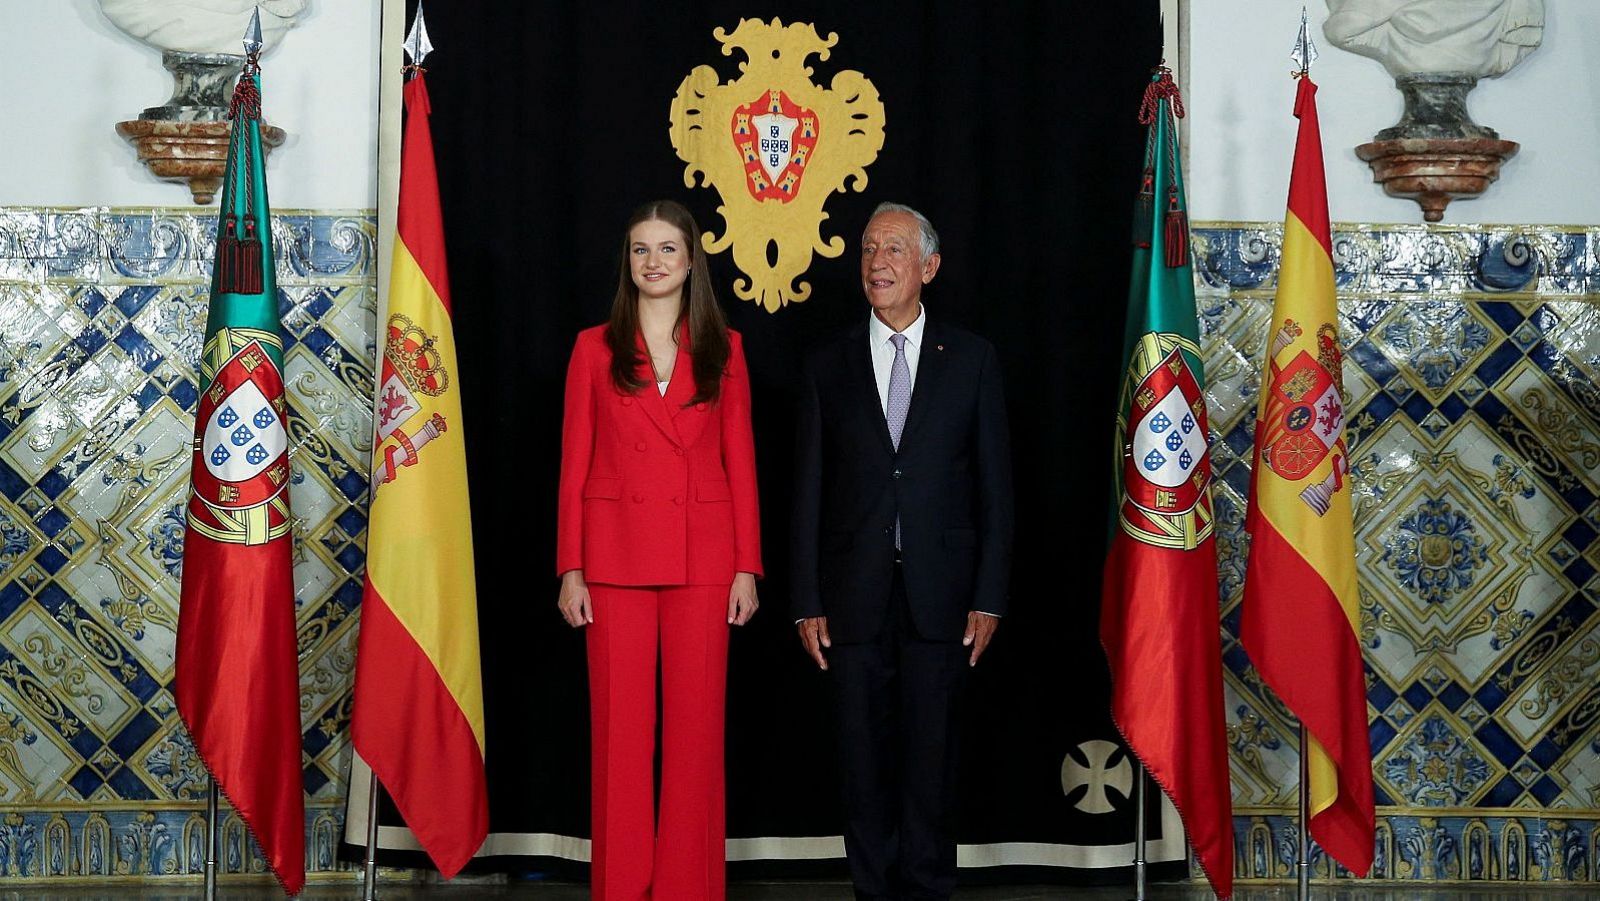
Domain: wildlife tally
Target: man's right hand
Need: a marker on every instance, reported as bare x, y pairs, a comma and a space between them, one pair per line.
814, 637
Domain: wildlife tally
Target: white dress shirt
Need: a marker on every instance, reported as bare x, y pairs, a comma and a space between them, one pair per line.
883, 360
883, 351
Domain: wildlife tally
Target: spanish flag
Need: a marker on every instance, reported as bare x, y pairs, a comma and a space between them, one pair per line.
1300, 618
418, 719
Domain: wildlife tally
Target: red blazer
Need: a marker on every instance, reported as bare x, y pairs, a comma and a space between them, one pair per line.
654, 492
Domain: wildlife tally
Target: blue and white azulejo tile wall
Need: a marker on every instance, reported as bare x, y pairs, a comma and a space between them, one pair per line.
1473, 359
102, 312
1473, 362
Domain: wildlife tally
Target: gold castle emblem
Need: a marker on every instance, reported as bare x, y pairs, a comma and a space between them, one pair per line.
775, 146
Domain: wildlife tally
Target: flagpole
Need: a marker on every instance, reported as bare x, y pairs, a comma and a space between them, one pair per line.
1304, 862
211, 841
1304, 54
369, 881
1139, 837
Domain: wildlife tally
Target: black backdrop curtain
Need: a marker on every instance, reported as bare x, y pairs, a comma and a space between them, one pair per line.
1012, 126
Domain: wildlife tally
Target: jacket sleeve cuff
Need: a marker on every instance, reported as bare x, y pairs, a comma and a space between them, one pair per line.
566, 563
806, 609
992, 606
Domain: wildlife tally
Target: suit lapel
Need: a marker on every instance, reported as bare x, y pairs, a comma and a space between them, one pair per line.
650, 399
930, 370
688, 420
681, 387
858, 350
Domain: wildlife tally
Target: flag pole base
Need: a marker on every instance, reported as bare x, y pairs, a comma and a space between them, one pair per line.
211, 840
1303, 864
1139, 872
369, 879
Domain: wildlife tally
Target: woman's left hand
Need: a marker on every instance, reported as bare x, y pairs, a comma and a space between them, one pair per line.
742, 601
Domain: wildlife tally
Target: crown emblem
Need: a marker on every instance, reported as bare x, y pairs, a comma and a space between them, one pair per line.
415, 359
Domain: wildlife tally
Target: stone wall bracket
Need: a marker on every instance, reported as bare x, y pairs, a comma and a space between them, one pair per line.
1435, 171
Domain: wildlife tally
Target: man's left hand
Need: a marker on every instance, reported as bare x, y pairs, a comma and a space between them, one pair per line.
980, 631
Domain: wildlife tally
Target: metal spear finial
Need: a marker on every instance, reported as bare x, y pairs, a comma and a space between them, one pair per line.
1305, 49
252, 34
417, 44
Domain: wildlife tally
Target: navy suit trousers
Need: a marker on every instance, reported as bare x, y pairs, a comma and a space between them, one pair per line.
898, 697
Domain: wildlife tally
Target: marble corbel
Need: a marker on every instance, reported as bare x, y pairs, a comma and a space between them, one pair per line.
1436, 51
186, 138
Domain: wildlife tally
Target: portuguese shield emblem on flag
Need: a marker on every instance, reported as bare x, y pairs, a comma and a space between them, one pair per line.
241, 462
1166, 471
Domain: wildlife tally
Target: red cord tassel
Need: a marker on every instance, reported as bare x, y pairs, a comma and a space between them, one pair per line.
1177, 232
227, 260
1144, 211
250, 259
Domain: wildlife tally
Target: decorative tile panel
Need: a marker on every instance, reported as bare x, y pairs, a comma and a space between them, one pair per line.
102, 313
1473, 366
1473, 356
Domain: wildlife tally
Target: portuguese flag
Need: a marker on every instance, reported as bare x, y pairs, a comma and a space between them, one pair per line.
418, 719
1159, 616
237, 676
1300, 617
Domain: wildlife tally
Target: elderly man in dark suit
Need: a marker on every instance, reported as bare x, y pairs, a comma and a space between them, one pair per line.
902, 552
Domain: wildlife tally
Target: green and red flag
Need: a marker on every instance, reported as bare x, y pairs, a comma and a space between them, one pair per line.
1159, 614
237, 678
1301, 615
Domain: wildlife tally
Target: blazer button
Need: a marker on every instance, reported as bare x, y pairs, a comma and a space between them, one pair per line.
701, 406
678, 451
627, 401
639, 447
638, 498
897, 472
678, 499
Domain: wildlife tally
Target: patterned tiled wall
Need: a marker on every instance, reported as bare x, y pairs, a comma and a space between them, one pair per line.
101, 316
1473, 361
1473, 364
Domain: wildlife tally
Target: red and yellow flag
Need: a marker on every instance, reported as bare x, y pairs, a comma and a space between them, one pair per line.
1300, 618
418, 719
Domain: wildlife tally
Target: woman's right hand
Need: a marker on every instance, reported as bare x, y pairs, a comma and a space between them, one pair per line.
574, 599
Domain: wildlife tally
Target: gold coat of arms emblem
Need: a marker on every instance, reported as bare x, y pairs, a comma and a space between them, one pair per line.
775, 145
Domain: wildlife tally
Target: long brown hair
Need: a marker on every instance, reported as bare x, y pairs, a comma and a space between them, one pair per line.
708, 328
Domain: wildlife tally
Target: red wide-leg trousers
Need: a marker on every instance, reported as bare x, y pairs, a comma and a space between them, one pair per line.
678, 855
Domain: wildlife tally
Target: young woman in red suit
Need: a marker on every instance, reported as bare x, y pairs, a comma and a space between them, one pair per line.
658, 549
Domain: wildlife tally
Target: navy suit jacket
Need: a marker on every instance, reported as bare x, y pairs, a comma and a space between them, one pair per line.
949, 482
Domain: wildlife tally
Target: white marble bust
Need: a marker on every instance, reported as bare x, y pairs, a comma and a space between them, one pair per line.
1481, 38
201, 26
